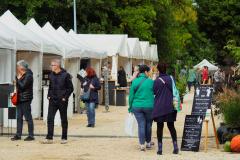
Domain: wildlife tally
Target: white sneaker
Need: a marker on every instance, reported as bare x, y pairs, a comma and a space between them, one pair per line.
64, 141
47, 141
142, 148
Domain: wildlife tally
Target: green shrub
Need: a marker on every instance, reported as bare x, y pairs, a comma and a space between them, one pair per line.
181, 84
229, 104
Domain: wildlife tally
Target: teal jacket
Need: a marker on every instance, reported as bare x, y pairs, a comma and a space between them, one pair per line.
144, 97
191, 75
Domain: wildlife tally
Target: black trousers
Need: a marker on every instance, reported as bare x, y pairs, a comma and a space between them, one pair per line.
171, 128
24, 109
54, 106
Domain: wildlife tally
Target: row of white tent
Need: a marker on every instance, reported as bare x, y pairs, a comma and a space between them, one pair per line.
15, 35
37, 45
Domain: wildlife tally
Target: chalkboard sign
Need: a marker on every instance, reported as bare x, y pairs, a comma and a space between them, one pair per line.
202, 99
192, 133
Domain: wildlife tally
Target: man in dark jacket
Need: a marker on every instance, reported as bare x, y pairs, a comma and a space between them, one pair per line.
24, 83
60, 89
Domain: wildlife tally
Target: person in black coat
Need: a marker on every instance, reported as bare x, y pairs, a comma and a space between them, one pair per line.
24, 84
92, 83
122, 78
60, 89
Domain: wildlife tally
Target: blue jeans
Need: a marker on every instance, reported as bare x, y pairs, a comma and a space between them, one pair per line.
144, 120
90, 112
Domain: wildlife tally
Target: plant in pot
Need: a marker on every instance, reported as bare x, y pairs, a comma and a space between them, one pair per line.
181, 84
228, 106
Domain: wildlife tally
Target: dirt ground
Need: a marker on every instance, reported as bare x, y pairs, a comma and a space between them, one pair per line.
106, 141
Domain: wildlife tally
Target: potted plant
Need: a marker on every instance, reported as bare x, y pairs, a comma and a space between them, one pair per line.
228, 106
181, 83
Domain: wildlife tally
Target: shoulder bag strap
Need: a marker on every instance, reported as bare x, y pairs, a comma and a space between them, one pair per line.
135, 90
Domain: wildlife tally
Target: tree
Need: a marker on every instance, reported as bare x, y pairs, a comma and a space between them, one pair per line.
220, 21
137, 19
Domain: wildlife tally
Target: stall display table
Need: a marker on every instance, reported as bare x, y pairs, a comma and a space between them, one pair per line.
121, 95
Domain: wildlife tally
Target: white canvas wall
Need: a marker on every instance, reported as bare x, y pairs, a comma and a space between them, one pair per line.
7, 65
7, 75
95, 64
72, 66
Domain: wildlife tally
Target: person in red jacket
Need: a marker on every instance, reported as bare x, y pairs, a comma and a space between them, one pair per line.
205, 75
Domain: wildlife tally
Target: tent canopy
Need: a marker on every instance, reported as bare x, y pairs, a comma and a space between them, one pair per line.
134, 48
146, 50
154, 53
111, 44
14, 24
205, 62
13, 27
87, 51
67, 47
49, 46
6, 40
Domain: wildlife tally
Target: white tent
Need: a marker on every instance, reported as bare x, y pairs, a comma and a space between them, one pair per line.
134, 47
88, 52
14, 24
95, 60
67, 46
154, 53
204, 62
146, 50
115, 46
31, 52
49, 45
135, 51
7, 56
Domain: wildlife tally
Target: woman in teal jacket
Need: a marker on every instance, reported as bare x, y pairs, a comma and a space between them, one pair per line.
141, 101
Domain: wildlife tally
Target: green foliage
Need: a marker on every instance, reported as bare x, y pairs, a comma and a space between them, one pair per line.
231, 112
233, 49
220, 21
229, 105
138, 21
181, 83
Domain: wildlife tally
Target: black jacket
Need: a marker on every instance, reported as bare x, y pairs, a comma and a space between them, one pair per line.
25, 87
60, 85
122, 79
93, 92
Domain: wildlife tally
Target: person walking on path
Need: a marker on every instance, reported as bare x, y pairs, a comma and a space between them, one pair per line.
90, 86
191, 79
60, 89
205, 75
24, 83
163, 107
141, 100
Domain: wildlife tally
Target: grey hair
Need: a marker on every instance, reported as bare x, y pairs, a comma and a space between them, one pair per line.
23, 64
58, 61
